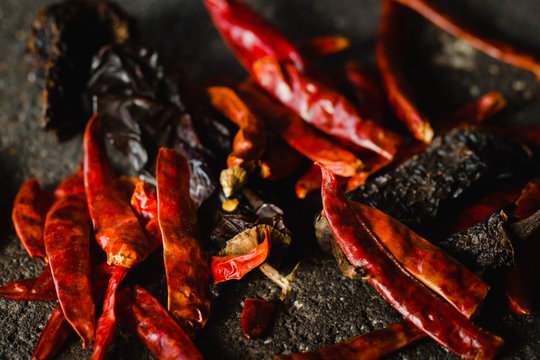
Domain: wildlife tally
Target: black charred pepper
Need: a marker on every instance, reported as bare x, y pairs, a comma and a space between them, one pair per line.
63, 39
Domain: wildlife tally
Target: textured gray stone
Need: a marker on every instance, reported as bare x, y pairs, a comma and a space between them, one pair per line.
324, 307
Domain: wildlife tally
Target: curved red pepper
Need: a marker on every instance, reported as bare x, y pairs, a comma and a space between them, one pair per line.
29, 210
186, 263
141, 313
236, 266
67, 244
407, 295
53, 336
117, 229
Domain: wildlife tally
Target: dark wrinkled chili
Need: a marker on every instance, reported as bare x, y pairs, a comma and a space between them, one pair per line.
409, 297
29, 210
142, 314
116, 227
256, 317
187, 266
67, 244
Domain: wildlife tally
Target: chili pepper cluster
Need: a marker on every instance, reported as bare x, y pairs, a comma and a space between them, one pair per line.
198, 152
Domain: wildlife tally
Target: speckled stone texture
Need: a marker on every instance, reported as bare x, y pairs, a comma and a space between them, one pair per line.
324, 307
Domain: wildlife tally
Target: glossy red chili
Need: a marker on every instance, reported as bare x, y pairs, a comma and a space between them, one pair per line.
32, 289
53, 336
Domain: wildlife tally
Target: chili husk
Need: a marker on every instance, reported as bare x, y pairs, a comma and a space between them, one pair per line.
369, 346
63, 38
29, 210
143, 315
116, 227
67, 244
409, 297
187, 266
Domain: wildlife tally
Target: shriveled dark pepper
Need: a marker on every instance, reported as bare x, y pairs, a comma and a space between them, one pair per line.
29, 210
409, 297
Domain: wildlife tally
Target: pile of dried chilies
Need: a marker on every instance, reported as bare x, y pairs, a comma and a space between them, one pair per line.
286, 111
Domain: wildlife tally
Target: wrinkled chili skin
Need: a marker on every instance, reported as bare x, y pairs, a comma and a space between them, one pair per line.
32, 289
409, 297
155, 108
143, 315
29, 210
187, 266
370, 346
53, 336
63, 38
256, 316
116, 227
426, 262
299, 135
67, 244
493, 47
389, 52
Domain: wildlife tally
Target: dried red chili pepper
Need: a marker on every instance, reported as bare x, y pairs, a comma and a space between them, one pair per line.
371, 166
187, 266
32, 289
388, 54
299, 135
249, 142
141, 313
407, 295
315, 102
29, 210
53, 336
73, 184
117, 229
474, 112
249, 35
106, 325
67, 244
495, 48
523, 280
322, 46
311, 180
144, 203
369, 346
236, 266
431, 266
367, 89
279, 160
256, 317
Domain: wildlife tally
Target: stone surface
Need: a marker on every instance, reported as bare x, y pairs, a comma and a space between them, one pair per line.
324, 307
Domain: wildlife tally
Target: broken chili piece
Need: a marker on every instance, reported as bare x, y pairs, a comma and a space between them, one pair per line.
53, 336
142, 314
493, 47
29, 210
369, 346
256, 317
249, 143
67, 244
187, 265
409, 297
389, 53
116, 227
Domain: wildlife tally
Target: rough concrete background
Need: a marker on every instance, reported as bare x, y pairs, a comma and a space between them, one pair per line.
324, 307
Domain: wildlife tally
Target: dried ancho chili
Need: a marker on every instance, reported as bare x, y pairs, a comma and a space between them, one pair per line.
63, 39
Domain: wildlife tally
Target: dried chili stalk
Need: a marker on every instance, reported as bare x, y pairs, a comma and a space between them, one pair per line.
67, 244
29, 210
32, 289
141, 313
495, 48
389, 46
187, 266
249, 143
408, 296
60, 51
299, 135
117, 229
53, 336
256, 317
369, 346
